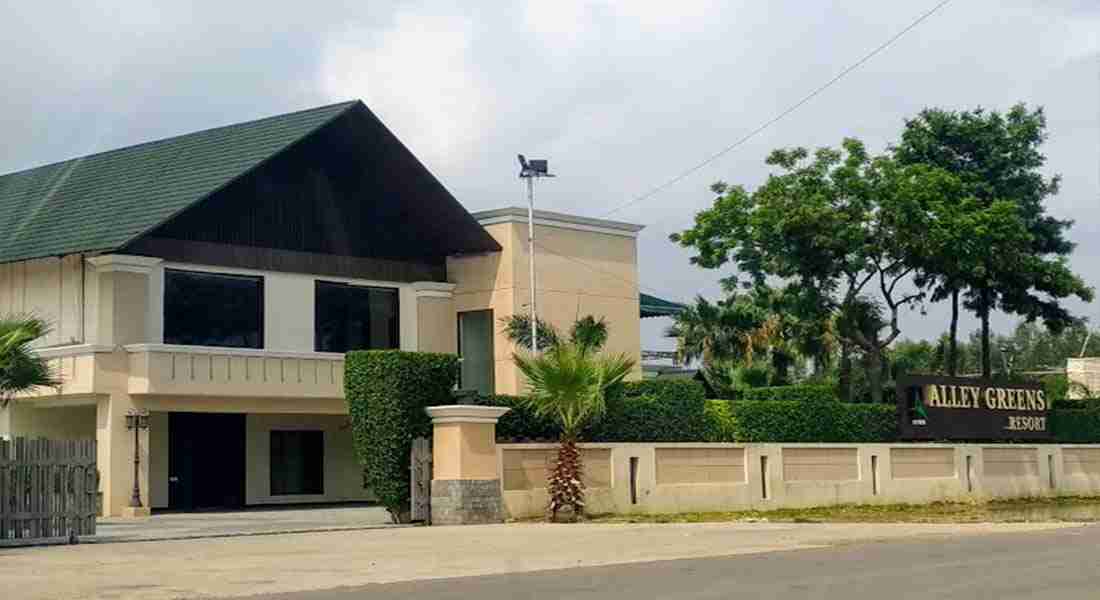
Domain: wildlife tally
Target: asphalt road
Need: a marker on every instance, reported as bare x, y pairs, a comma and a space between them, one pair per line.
1049, 565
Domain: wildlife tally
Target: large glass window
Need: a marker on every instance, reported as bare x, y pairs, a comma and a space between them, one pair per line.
210, 309
350, 317
297, 462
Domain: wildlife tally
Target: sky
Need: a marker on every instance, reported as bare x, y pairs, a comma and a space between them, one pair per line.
621, 97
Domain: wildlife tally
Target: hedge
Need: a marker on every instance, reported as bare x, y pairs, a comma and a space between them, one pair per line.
670, 410
785, 421
386, 392
791, 393
1075, 426
653, 410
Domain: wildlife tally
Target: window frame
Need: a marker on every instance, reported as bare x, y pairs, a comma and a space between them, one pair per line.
261, 309
396, 291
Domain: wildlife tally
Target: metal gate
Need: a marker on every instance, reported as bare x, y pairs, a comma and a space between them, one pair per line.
420, 480
48, 490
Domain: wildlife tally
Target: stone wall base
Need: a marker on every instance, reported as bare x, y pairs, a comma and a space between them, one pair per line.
466, 502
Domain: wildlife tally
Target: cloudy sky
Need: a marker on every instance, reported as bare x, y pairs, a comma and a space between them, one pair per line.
620, 96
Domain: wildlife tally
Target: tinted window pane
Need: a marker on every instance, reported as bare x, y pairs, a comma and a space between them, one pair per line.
206, 309
297, 462
355, 318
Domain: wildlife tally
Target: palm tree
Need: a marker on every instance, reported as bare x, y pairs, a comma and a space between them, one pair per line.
21, 369
568, 383
713, 332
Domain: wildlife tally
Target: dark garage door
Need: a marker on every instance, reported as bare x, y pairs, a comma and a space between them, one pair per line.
206, 460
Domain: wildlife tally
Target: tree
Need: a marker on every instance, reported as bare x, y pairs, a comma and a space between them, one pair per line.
569, 383
839, 226
997, 158
517, 328
21, 369
715, 332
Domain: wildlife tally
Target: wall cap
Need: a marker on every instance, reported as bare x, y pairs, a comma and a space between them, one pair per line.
124, 262
515, 214
465, 413
433, 289
252, 352
72, 350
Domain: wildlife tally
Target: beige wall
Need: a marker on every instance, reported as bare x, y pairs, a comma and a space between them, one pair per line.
437, 329
50, 288
672, 478
579, 272
60, 423
343, 475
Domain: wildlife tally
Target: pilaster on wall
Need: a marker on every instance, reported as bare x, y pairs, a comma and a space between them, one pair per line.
125, 288
436, 319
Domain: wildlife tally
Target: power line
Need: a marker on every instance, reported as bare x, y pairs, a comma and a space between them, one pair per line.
654, 191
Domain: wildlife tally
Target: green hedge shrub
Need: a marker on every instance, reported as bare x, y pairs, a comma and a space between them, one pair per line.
519, 424
669, 410
653, 410
1075, 426
791, 393
387, 392
782, 421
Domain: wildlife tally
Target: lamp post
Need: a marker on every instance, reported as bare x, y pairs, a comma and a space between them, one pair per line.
530, 170
136, 420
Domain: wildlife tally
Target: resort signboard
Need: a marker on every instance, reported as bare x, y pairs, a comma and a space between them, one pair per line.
959, 408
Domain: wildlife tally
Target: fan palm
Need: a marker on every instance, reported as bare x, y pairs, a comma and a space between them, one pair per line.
568, 383
21, 369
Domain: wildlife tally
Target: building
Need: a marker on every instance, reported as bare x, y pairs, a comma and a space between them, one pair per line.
215, 280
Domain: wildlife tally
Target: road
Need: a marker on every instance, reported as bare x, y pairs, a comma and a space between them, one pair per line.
1057, 564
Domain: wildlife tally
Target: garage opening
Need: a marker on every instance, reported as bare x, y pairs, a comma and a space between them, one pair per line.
206, 461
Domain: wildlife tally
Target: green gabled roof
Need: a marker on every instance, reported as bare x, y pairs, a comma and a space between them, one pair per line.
103, 201
652, 306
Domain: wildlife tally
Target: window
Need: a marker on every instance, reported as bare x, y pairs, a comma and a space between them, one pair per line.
297, 462
210, 309
352, 317
475, 348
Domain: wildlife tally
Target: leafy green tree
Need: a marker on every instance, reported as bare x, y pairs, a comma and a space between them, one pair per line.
568, 383
21, 369
839, 225
997, 158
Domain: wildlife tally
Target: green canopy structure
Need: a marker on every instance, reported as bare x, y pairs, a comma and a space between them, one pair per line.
652, 306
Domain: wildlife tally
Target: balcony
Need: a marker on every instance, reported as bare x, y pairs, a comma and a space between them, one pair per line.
168, 370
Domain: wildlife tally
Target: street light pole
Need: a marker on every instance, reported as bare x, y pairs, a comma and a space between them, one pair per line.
531, 262
137, 421
529, 170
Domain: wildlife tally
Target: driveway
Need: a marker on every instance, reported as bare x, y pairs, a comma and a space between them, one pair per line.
268, 521
270, 564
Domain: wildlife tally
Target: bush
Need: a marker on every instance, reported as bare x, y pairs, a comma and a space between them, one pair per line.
661, 410
791, 393
783, 421
653, 410
1075, 426
387, 392
519, 424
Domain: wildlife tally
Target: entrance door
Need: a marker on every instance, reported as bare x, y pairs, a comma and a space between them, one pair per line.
475, 348
206, 460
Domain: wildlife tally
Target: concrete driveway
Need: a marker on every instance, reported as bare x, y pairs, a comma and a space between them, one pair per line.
268, 521
269, 564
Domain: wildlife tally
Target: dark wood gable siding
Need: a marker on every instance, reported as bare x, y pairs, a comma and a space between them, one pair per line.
349, 200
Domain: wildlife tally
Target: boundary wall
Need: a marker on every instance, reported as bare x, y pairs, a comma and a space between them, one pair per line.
698, 477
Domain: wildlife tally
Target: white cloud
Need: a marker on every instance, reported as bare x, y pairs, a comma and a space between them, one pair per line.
419, 76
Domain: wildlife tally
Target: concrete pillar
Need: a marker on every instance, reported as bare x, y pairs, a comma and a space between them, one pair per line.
465, 471
436, 319
123, 307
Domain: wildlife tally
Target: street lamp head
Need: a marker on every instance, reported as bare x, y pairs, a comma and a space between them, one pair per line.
534, 167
